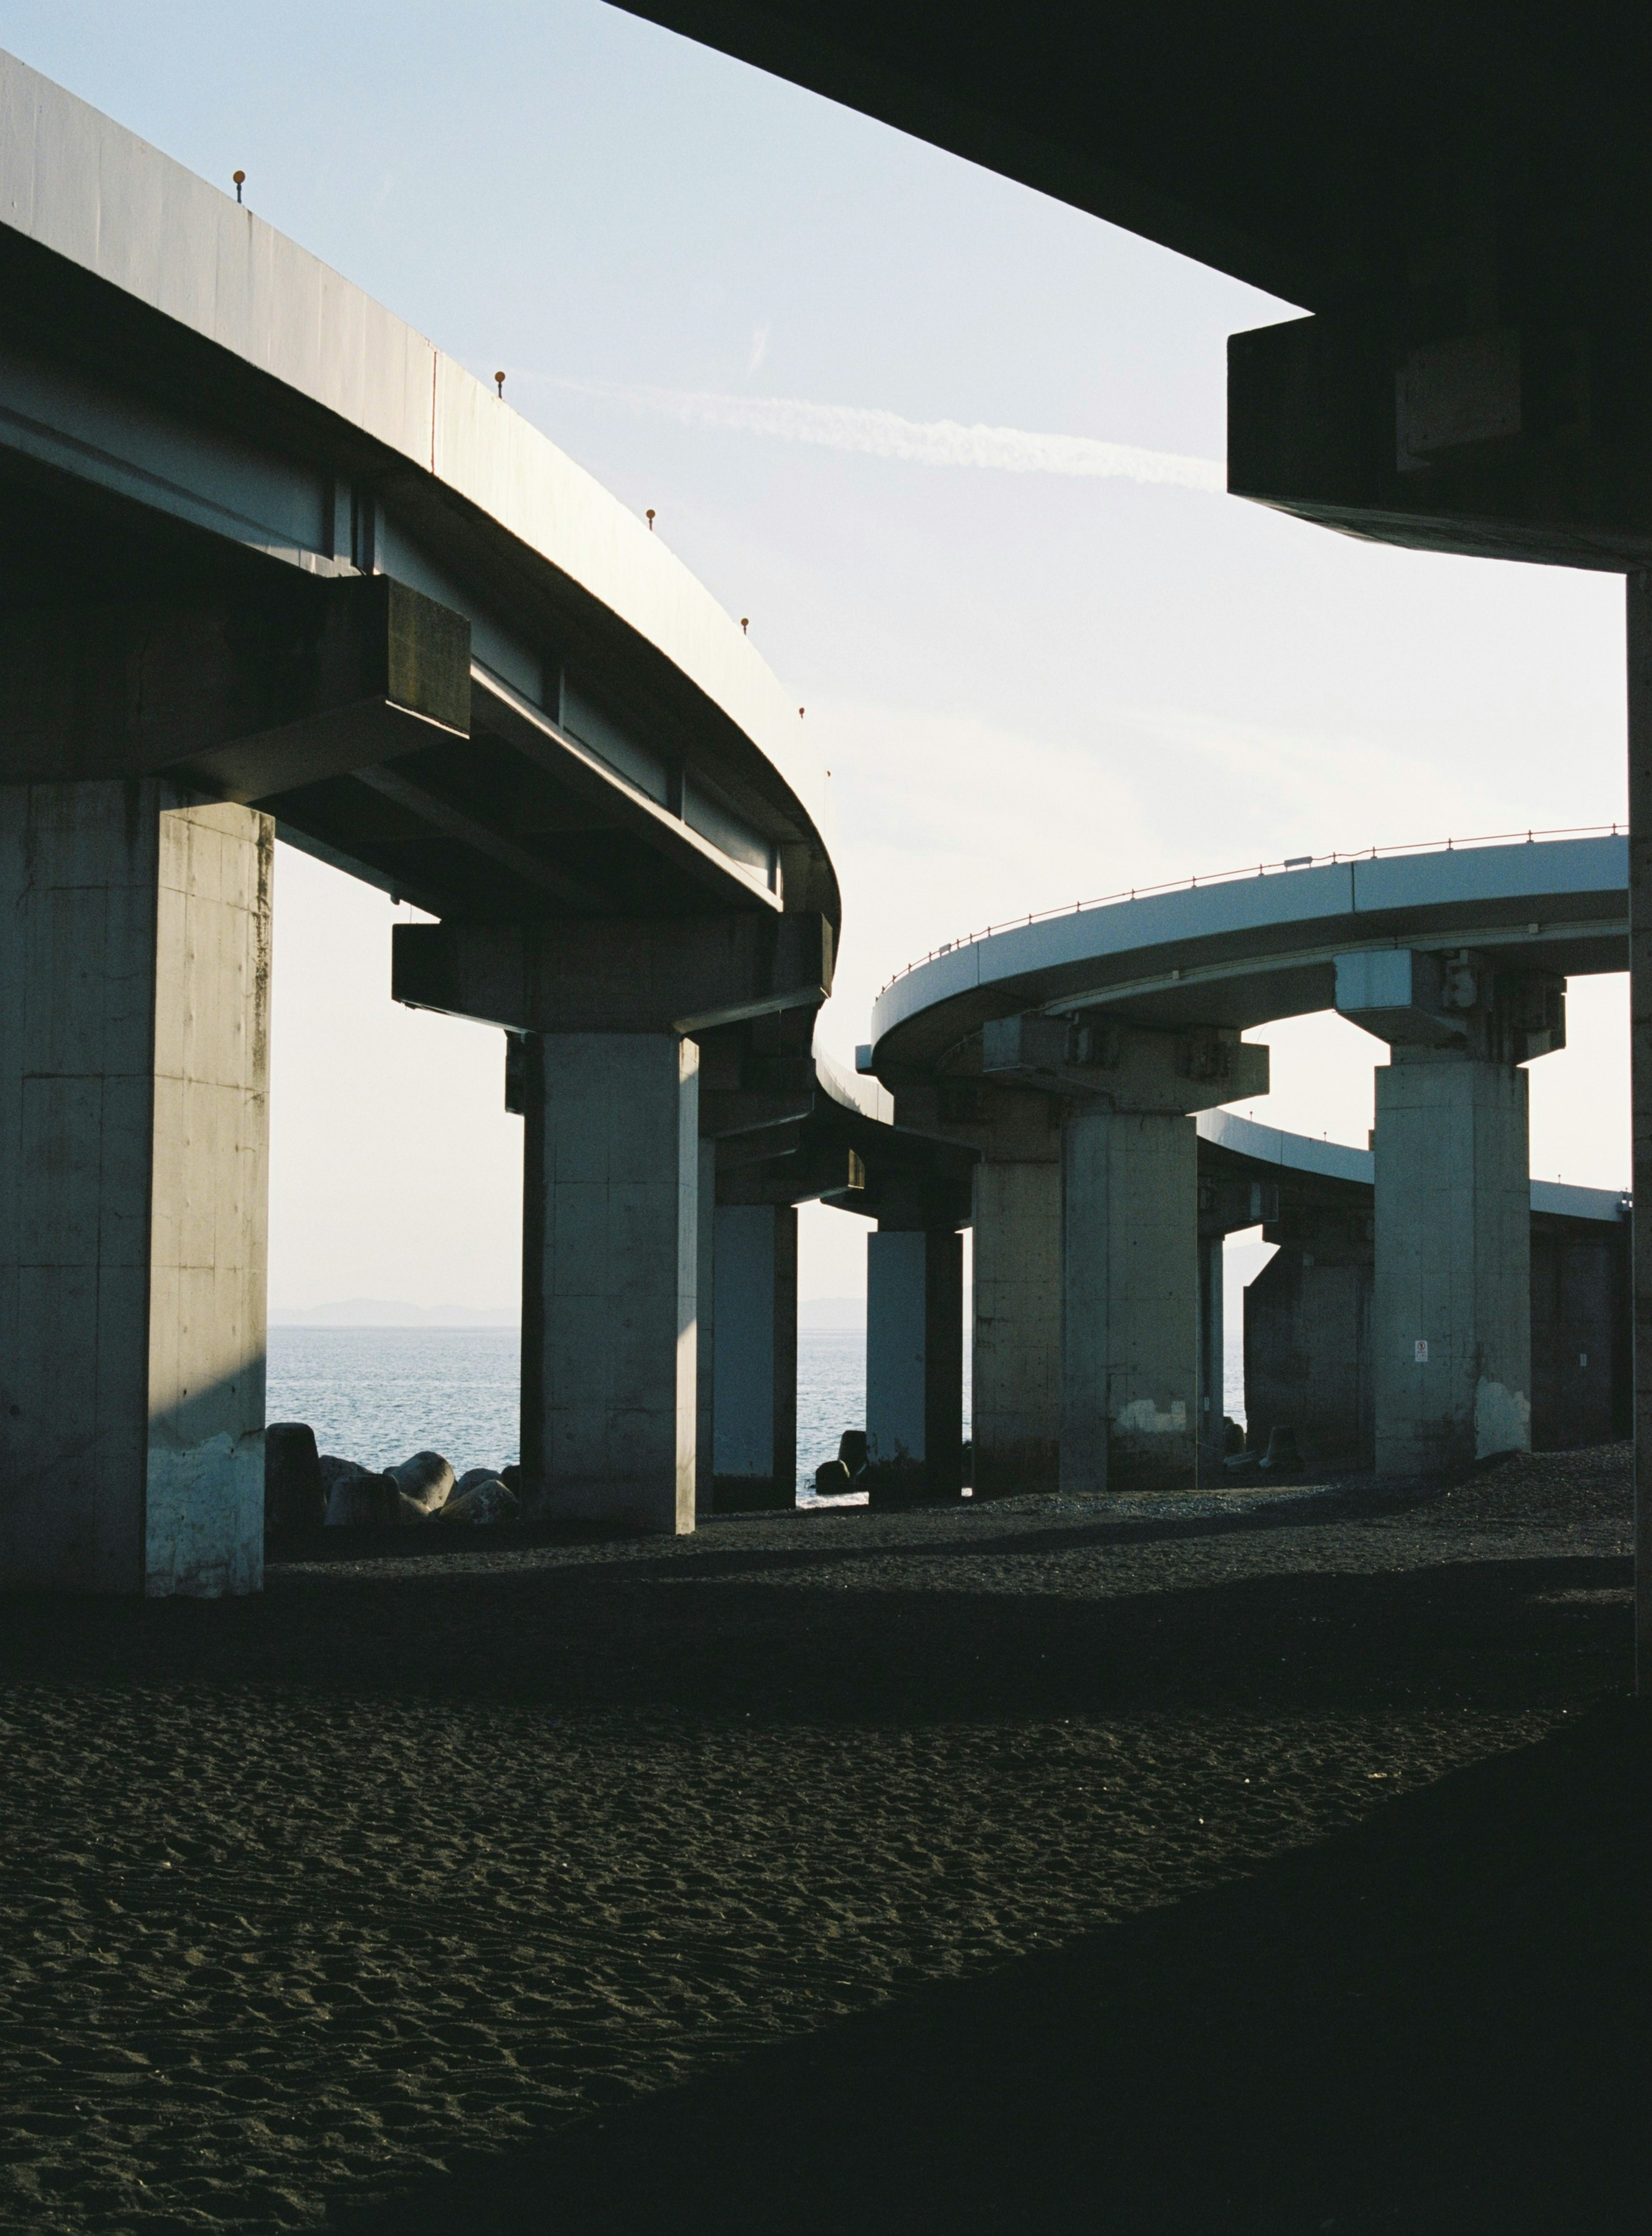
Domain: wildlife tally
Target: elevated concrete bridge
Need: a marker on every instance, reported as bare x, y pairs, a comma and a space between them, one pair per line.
1461, 197
1073, 1053
273, 565
276, 565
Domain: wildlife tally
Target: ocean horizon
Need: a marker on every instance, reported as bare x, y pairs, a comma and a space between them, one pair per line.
378, 1391
378, 1394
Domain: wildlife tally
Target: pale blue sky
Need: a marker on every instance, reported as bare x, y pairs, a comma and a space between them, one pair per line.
1029, 687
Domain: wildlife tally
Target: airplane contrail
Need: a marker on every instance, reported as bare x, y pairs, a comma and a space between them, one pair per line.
920, 442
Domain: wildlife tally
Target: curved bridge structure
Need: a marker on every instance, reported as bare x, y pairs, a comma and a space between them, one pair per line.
1072, 1054
208, 440
1242, 952
275, 565
1473, 374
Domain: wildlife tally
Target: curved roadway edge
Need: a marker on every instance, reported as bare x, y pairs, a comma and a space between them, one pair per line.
852, 1092
1296, 1153
1251, 949
1243, 1137
81, 186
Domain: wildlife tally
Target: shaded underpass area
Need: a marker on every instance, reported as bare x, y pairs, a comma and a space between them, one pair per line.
1160, 1864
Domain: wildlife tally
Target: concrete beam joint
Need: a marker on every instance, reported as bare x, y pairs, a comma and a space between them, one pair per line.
616, 974
999, 1119
1455, 1001
1125, 1067
1226, 1206
798, 1176
244, 698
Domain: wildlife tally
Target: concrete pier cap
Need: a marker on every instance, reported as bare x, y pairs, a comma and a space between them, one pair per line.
1077, 1046
291, 572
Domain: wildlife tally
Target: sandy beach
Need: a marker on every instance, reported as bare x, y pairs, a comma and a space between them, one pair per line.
1236, 1863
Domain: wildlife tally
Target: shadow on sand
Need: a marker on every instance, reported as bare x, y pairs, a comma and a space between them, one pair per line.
1435, 2023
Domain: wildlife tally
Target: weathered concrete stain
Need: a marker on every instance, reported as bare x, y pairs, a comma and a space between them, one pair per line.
1502, 1420
204, 1518
1141, 1417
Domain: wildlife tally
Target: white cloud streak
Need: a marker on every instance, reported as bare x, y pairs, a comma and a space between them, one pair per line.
916, 442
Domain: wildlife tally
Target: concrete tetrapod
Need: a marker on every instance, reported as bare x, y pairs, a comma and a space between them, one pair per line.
295, 1493
479, 1498
427, 1479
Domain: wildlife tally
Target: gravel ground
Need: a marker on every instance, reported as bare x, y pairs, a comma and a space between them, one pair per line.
436, 1859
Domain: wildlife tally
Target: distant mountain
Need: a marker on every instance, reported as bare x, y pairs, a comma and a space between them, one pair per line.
823, 1315
381, 1312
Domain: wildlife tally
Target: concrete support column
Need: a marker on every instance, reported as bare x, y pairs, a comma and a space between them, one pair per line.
755, 1405
134, 1188
914, 1356
706, 1329
1016, 1400
1452, 1316
1307, 1341
1129, 1290
1639, 618
610, 1276
1581, 1361
1212, 1350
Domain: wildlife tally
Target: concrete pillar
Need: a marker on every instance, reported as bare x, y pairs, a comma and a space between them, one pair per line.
1307, 1342
1130, 1289
1016, 1401
1452, 1314
755, 1441
1580, 1355
1130, 1375
610, 1276
134, 1188
1212, 1353
914, 1356
1639, 617
706, 1329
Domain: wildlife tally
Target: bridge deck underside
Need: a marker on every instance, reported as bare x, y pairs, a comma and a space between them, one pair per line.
514, 821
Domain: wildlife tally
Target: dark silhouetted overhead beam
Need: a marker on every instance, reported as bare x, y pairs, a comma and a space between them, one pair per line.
453, 823
537, 739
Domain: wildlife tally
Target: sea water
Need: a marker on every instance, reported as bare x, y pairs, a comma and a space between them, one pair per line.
377, 1395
